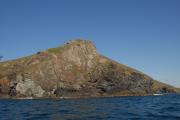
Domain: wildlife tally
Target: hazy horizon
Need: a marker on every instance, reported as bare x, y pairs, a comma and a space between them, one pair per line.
144, 35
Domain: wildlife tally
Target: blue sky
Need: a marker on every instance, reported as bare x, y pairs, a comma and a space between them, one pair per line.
144, 34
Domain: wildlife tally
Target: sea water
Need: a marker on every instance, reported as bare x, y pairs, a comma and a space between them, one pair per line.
166, 107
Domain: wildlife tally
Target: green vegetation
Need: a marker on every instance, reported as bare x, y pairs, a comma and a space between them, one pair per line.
56, 50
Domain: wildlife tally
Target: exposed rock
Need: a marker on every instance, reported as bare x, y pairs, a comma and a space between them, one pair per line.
74, 70
81, 53
29, 88
12, 91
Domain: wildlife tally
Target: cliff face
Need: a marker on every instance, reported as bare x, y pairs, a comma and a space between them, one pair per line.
73, 70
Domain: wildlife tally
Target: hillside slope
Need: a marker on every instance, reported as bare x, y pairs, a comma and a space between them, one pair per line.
75, 69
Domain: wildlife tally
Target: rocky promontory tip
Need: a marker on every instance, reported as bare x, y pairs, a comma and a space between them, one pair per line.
75, 69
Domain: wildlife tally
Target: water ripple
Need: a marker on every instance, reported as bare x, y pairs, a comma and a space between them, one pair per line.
117, 108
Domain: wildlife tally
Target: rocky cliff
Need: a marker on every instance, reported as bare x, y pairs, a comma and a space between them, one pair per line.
75, 69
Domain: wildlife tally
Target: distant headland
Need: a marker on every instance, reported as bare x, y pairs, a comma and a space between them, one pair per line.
74, 70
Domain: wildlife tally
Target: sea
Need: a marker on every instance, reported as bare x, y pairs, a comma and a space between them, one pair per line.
164, 107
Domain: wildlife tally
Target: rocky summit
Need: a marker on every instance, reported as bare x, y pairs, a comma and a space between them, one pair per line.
74, 70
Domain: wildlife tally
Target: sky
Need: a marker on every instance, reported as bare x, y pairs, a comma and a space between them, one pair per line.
143, 34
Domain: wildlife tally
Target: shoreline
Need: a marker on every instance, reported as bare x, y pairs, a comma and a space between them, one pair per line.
92, 97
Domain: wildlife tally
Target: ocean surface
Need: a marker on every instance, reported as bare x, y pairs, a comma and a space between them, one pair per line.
165, 107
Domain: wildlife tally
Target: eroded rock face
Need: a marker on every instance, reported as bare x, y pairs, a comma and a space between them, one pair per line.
109, 79
29, 88
74, 70
81, 53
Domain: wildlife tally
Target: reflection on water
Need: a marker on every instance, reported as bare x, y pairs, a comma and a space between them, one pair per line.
150, 107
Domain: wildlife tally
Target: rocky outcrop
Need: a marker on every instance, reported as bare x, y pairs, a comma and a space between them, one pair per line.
75, 69
29, 88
